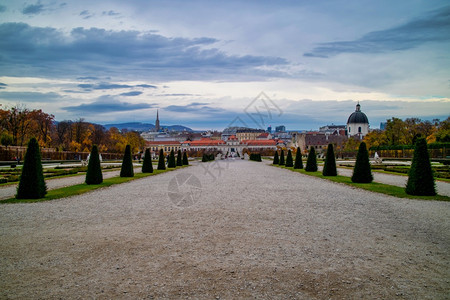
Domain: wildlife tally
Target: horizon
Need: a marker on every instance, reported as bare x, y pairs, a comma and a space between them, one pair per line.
295, 63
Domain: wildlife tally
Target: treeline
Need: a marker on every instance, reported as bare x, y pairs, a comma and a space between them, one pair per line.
18, 124
405, 133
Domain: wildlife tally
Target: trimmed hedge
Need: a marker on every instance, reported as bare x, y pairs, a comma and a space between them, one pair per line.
179, 158
329, 168
362, 172
185, 159
161, 161
289, 160
127, 164
276, 159
311, 162
171, 163
147, 166
281, 163
94, 170
32, 184
420, 178
298, 159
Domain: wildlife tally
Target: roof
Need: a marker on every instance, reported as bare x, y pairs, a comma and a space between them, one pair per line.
162, 143
260, 142
358, 116
205, 142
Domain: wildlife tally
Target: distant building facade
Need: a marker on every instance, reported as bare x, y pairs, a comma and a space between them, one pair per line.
357, 124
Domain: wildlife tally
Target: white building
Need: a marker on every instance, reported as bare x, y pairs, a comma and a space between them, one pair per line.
357, 124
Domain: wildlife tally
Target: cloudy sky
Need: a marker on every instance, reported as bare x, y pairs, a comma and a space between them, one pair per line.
207, 64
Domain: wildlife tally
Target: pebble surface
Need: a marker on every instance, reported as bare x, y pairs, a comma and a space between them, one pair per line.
226, 230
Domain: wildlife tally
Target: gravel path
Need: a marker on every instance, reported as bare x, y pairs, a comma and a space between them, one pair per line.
253, 231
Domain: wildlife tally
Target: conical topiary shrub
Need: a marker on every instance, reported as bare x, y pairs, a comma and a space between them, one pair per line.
281, 163
127, 163
289, 160
362, 173
185, 159
311, 162
32, 183
94, 170
298, 159
276, 159
329, 168
420, 175
179, 158
161, 161
147, 166
171, 163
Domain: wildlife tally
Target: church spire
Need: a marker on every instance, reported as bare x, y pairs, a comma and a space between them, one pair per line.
358, 107
157, 128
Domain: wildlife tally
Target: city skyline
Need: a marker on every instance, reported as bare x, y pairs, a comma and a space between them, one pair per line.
204, 65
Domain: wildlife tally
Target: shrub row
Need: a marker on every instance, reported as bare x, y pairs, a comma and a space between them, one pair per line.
255, 156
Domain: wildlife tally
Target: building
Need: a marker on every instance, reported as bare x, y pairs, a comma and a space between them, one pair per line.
357, 123
157, 127
166, 146
280, 128
248, 134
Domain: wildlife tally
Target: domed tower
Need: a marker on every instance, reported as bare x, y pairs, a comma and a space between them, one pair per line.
357, 123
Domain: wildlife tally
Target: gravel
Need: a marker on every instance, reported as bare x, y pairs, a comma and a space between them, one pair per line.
250, 231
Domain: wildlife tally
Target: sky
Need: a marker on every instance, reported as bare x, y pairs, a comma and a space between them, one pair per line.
210, 64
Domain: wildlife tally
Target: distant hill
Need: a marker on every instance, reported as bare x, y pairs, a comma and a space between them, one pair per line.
138, 126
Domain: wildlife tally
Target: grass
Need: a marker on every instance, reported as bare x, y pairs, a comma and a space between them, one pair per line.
79, 189
376, 187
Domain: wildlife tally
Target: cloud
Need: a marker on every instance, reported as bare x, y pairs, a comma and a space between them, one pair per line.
2, 8
30, 96
33, 9
106, 104
3, 85
195, 107
85, 14
131, 94
434, 27
112, 86
96, 52
110, 13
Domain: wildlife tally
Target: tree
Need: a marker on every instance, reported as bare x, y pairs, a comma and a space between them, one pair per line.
289, 161
127, 164
420, 176
171, 163
147, 166
94, 171
395, 132
281, 163
161, 162
276, 160
362, 172
185, 159
179, 158
32, 184
311, 162
329, 168
298, 159
6, 139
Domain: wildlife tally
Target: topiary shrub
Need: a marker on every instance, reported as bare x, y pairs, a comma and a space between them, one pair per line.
298, 159
127, 163
289, 160
281, 163
420, 176
147, 166
276, 159
94, 170
362, 173
161, 162
311, 162
185, 159
32, 184
171, 163
179, 158
329, 168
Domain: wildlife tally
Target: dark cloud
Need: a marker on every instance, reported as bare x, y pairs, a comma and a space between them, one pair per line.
30, 96
135, 93
33, 9
97, 52
434, 27
2, 8
195, 107
85, 14
3, 85
106, 104
176, 95
110, 13
147, 86
87, 78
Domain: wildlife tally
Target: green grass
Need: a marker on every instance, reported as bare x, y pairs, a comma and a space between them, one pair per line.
376, 187
79, 189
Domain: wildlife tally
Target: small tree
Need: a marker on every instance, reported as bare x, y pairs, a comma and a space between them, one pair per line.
311, 162
420, 175
32, 184
298, 159
127, 163
179, 158
281, 163
362, 172
147, 166
289, 161
276, 160
161, 161
171, 163
329, 168
94, 170
185, 159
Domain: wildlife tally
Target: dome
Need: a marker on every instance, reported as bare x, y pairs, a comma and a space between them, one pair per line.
358, 116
